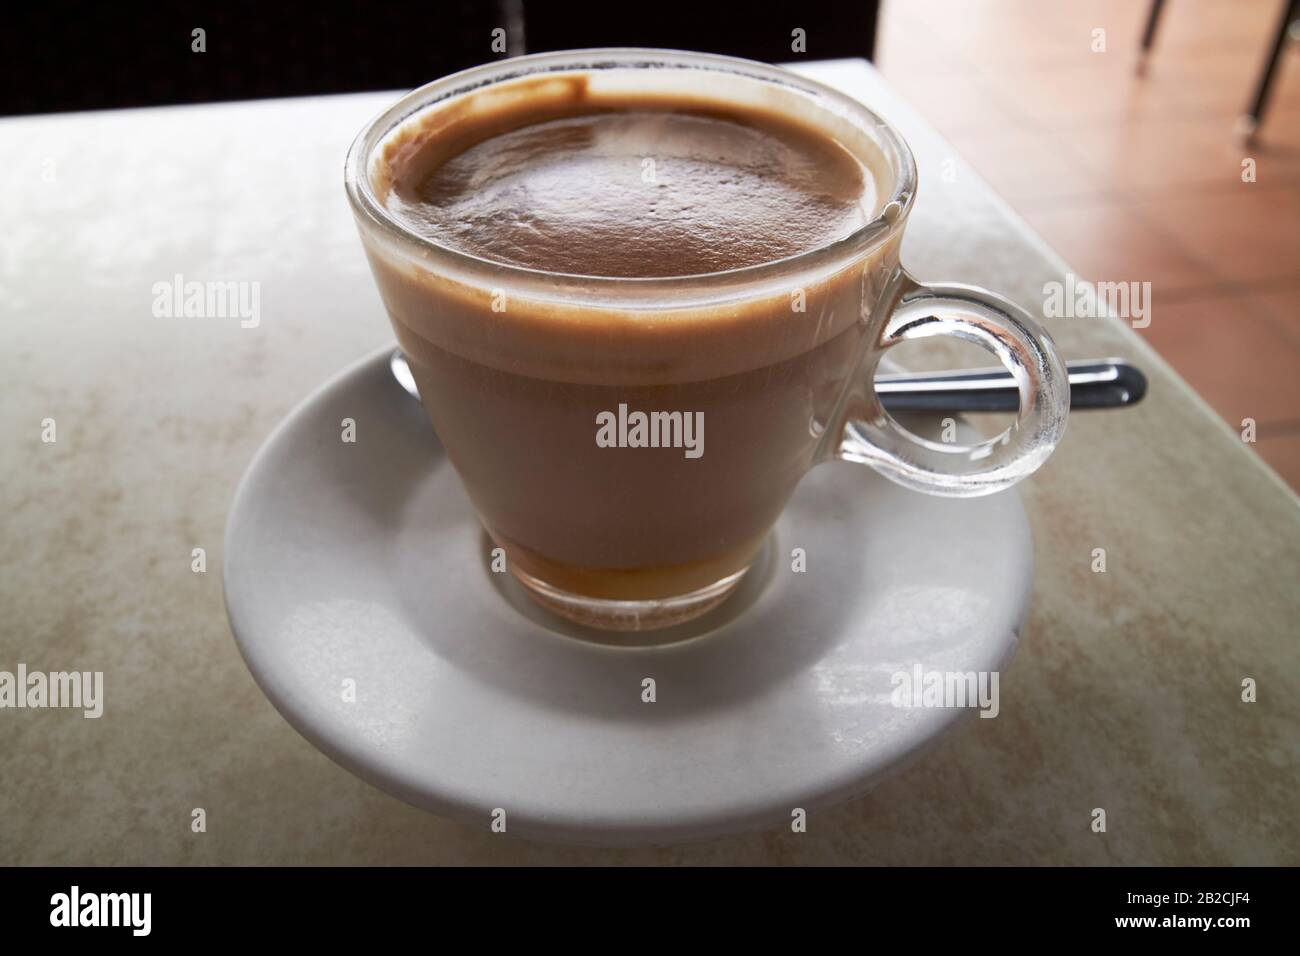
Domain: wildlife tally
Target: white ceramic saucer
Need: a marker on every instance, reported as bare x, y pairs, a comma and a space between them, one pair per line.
364, 562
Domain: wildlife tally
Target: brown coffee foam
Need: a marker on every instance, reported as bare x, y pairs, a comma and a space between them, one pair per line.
633, 187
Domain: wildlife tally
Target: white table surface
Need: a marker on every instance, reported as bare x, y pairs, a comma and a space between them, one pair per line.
1125, 694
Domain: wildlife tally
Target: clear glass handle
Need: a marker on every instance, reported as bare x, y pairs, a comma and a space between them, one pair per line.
961, 471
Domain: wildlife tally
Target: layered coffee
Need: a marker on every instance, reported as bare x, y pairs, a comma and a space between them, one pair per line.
525, 344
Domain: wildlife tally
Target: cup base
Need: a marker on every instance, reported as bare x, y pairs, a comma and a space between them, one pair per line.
643, 615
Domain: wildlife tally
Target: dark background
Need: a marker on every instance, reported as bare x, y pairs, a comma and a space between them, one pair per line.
58, 56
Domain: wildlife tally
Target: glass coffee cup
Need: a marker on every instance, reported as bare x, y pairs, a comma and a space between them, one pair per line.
629, 441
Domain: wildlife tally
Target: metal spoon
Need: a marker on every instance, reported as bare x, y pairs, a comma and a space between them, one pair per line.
1094, 383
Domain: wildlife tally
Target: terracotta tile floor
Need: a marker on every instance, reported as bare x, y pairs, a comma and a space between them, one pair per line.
1138, 178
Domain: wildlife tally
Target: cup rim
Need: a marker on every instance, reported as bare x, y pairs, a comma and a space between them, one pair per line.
368, 209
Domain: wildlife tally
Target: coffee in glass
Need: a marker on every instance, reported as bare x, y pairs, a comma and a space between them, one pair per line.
642, 293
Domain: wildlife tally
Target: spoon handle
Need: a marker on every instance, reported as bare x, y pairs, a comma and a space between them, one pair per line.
1094, 383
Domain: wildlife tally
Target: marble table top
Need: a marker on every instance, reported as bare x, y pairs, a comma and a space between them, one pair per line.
1126, 693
